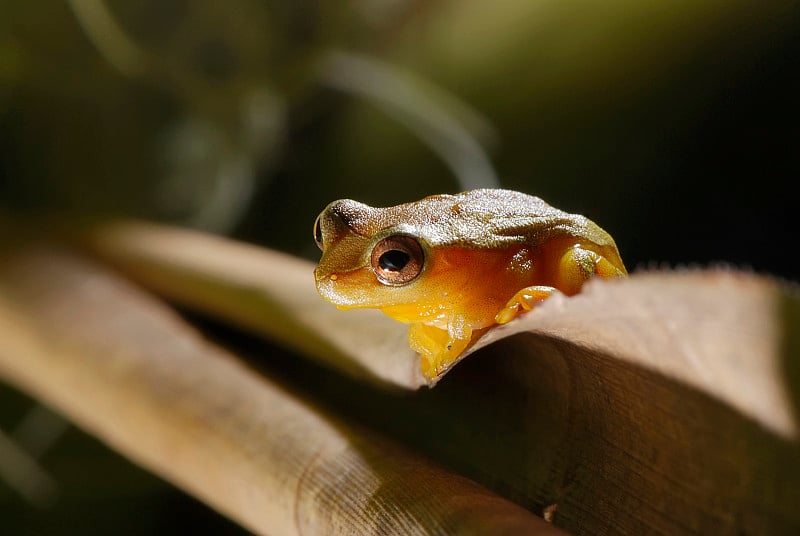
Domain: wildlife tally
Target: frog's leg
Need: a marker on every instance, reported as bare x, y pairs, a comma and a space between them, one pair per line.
578, 264
523, 301
575, 266
438, 347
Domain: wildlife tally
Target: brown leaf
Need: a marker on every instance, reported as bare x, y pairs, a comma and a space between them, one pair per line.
667, 402
131, 371
266, 291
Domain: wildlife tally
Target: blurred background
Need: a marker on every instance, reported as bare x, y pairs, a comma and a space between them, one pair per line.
674, 125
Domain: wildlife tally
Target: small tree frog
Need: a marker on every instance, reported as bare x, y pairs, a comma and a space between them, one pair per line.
454, 265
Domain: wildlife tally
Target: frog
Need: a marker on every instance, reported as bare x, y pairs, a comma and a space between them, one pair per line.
453, 266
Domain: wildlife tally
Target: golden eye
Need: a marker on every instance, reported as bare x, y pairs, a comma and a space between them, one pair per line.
397, 260
318, 231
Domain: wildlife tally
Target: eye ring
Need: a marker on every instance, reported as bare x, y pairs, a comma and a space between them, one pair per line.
397, 260
318, 232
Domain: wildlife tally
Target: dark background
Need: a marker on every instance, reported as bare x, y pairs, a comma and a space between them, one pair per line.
675, 126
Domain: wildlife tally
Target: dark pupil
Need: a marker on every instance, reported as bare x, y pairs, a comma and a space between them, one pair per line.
394, 260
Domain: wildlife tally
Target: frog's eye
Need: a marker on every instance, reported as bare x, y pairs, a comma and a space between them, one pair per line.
318, 231
397, 260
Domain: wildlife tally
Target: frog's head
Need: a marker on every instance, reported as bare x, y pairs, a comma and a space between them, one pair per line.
370, 257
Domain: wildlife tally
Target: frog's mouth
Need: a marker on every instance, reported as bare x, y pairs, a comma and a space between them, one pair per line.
349, 290
359, 289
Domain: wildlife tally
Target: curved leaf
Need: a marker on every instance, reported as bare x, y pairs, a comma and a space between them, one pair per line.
127, 368
665, 402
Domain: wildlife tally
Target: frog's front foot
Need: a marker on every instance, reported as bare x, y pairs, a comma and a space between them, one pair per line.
438, 348
523, 301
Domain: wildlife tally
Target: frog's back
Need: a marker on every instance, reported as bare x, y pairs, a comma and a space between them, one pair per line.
491, 218
475, 219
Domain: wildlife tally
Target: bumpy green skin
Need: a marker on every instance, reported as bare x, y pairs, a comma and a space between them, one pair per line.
477, 219
486, 218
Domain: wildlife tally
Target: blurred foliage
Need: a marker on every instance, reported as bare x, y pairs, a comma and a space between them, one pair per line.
674, 125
